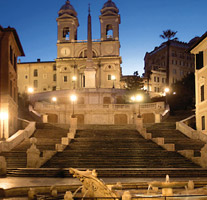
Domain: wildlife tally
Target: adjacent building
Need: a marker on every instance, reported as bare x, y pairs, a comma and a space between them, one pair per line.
10, 49
200, 52
71, 68
181, 63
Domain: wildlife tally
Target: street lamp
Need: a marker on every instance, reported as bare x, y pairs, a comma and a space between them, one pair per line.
54, 99
3, 116
138, 98
30, 90
73, 98
74, 78
166, 90
113, 78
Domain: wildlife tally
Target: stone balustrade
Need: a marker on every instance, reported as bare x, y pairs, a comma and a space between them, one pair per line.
19, 136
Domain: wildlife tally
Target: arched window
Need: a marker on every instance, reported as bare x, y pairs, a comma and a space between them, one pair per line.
83, 54
66, 33
109, 31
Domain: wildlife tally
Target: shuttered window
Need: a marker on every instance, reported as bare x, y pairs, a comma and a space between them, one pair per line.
199, 60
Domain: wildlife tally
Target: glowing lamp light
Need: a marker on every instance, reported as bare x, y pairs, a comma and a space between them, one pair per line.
54, 99
4, 115
30, 90
73, 97
113, 77
139, 98
74, 78
133, 98
167, 90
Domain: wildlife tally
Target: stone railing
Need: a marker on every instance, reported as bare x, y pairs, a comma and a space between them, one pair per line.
19, 136
183, 127
66, 107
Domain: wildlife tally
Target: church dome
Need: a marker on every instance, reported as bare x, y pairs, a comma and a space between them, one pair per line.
109, 6
67, 8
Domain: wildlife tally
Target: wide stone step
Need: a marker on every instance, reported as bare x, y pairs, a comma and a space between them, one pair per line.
113, 172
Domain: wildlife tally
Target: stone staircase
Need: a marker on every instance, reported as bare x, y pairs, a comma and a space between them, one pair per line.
47, 136
115, 148
167, 130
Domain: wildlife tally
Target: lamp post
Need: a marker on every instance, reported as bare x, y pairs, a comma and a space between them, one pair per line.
113, 78
30, 91
3, 117
73, 98
54, 99
138, 98
166, 91
74, 78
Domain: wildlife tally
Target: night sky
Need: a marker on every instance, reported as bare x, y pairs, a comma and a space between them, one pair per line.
142, 21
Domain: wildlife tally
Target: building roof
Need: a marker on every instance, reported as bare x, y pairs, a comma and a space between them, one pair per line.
172, 43
198, 41
110, 6
13, 30
67, 8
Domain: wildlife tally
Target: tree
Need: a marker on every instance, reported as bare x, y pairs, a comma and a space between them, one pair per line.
168, 34
134, 82
185, 93
134, 86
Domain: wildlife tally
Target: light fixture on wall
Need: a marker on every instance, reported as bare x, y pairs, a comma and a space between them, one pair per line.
3, 116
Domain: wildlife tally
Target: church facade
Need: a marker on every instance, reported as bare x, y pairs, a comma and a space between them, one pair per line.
73, 64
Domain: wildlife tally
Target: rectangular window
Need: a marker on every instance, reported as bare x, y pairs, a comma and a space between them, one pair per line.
155, 89
155, 79
163, 80
109, 77
203, 127
174, 71
54, 77
181, 73
54, 68
202, 93
11, 88
15, 63
199, 60
11, 55
158, 79
35, 84
65, 79
35, 72
84, 84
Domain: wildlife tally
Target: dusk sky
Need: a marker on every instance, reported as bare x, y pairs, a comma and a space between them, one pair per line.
142, 21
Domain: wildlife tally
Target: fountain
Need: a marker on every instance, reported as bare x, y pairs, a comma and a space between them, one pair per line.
92, 186
167, 186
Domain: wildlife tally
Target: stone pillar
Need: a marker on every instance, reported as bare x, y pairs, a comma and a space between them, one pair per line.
139, 123
68, 196
204, 156
126, 196
32, 194
33, 155
167, 192
45, 118
90, 78
73, 125
157, 118
3, 166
